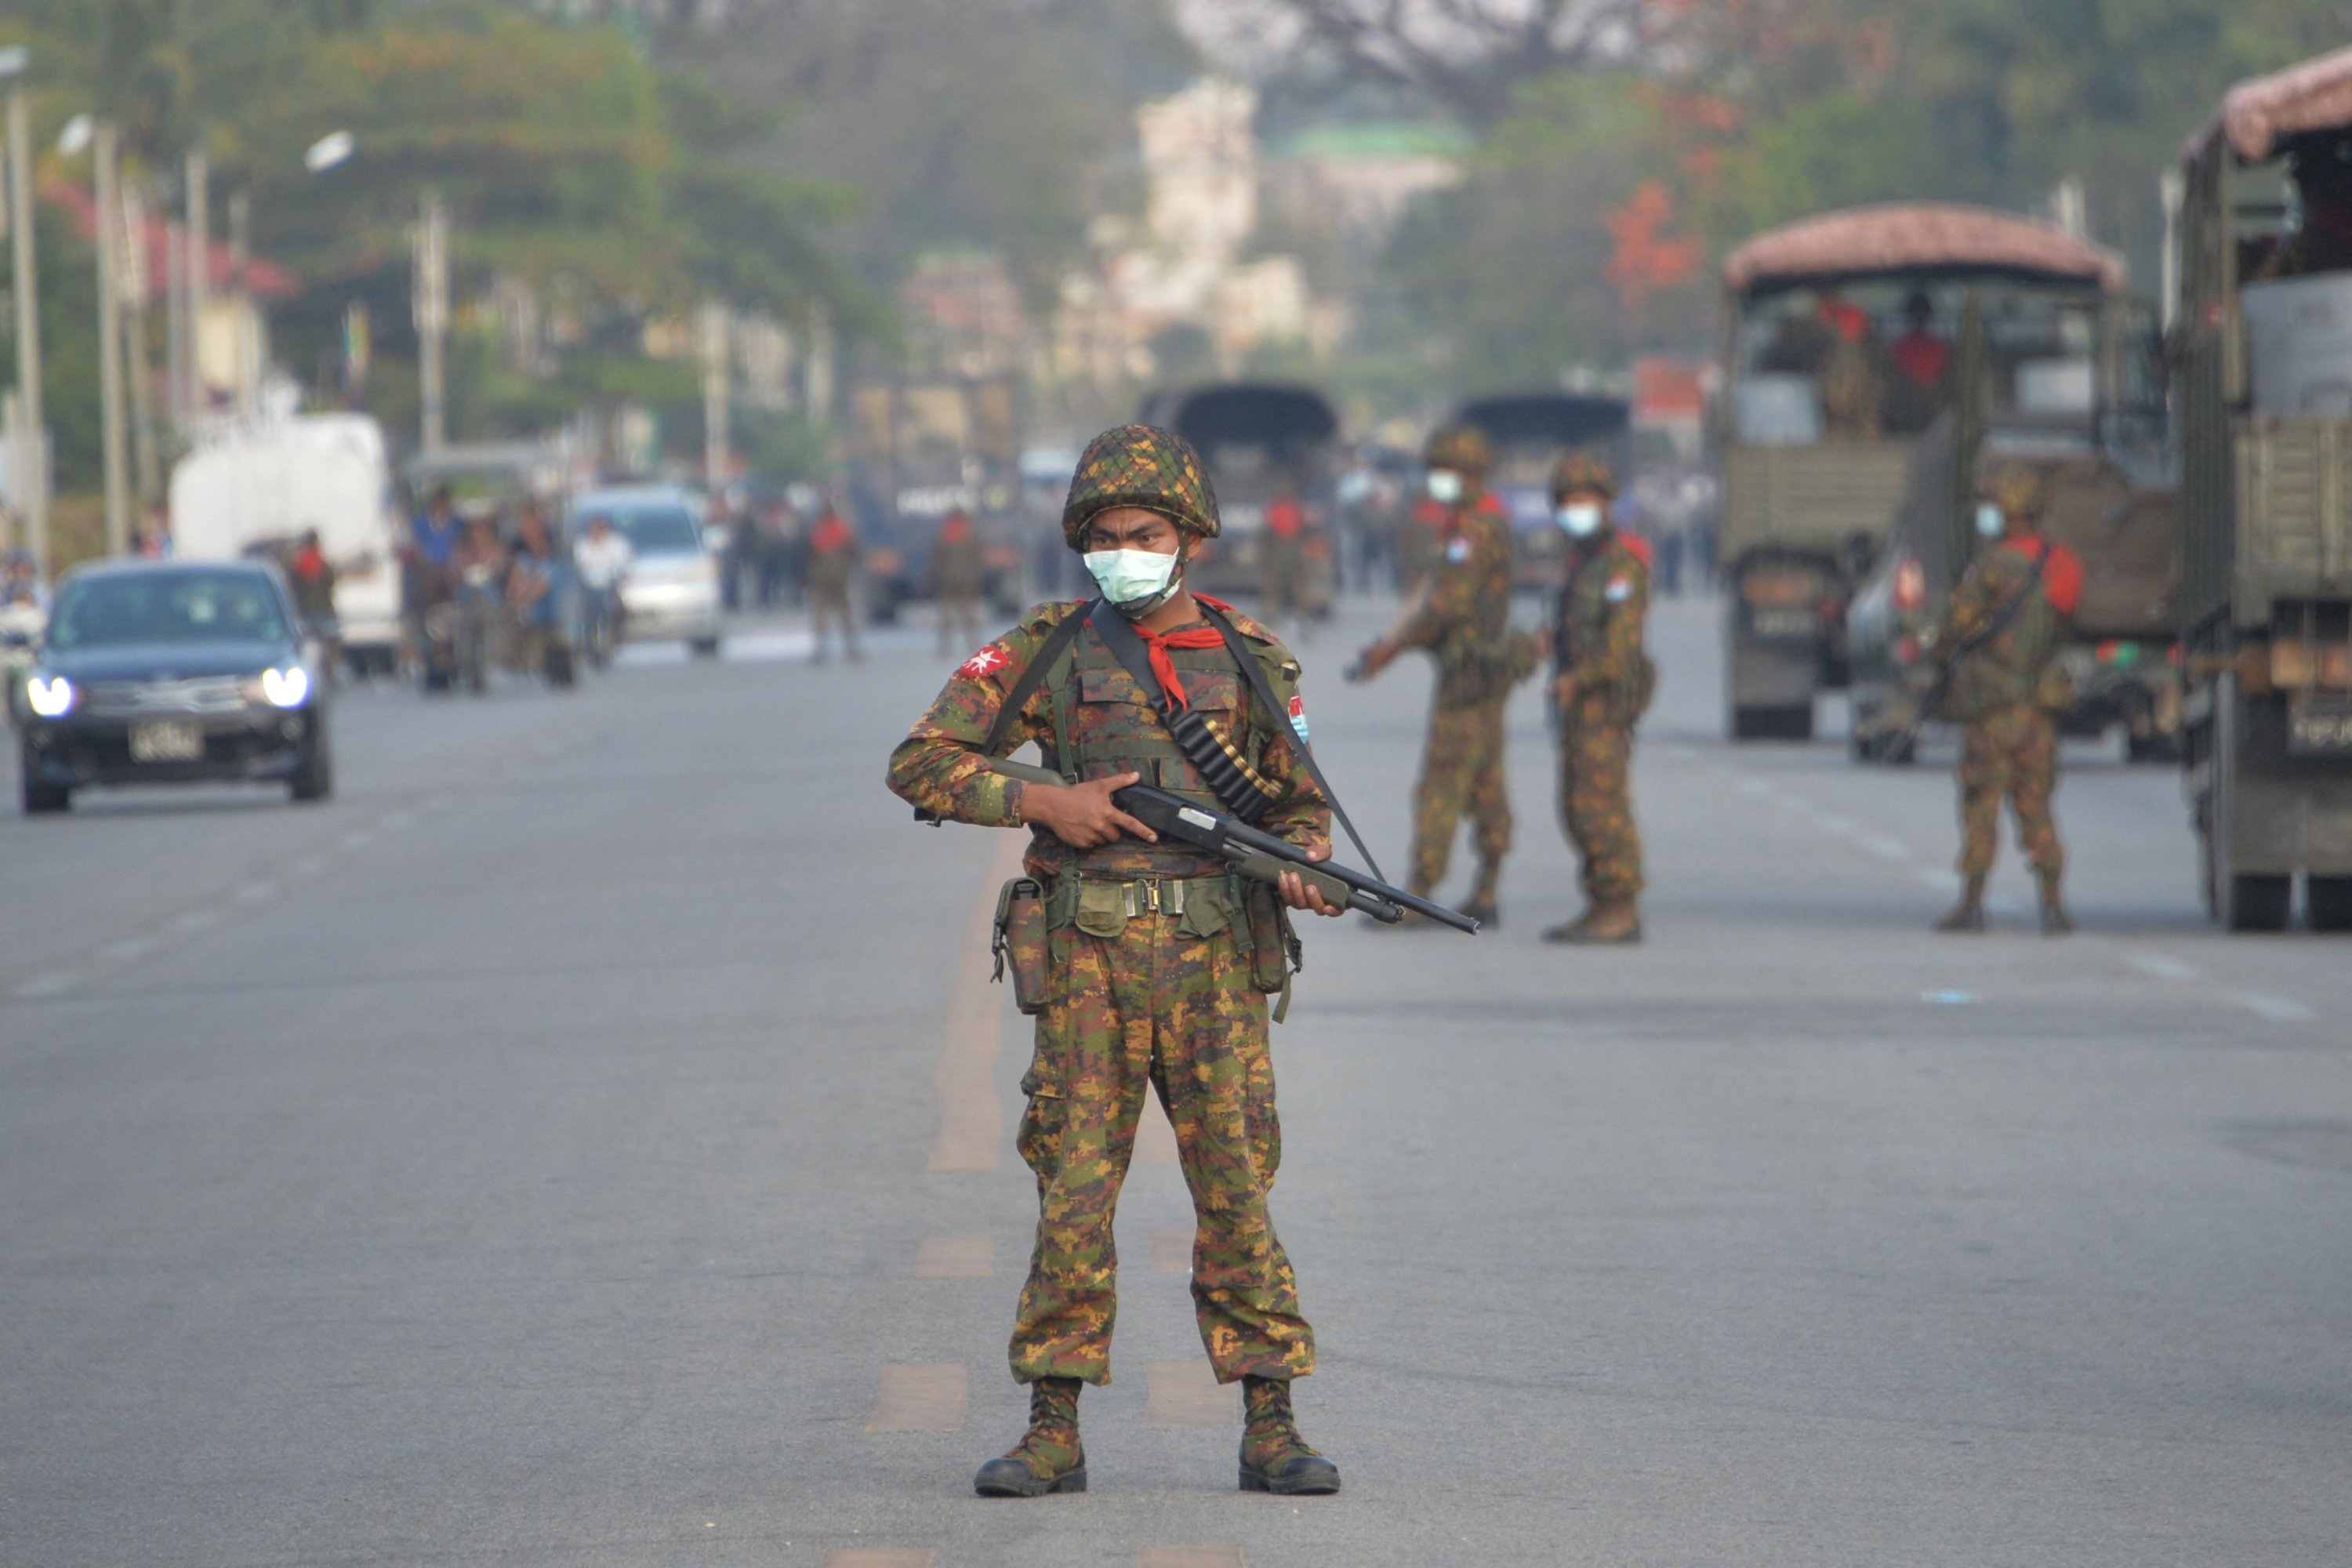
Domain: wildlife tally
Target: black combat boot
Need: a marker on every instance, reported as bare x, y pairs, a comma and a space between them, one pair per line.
1274, 1457
2055, 921
1049, 1457
1482, 906
1968, 915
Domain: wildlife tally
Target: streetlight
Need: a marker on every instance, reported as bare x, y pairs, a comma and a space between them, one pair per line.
328, 151
31, 480
88, 133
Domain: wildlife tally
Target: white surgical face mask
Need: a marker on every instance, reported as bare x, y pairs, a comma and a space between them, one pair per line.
1581, 521
1136, 582
1444, 486
1990, 520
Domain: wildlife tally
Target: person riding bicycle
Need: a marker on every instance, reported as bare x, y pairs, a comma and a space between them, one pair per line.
602, 558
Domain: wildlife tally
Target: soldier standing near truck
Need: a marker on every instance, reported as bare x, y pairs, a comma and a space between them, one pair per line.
1152, 960
958, 575
1461, 614
1999, 647
1601, 681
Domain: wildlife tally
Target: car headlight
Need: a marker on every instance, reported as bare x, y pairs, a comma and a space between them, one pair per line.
50, 696
285, 687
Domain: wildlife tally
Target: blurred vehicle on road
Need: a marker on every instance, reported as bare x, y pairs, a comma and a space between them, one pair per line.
1264, 442
670, 592
1529, 432
1841, 355
258, 487
921, 450
2097, 442
173, 672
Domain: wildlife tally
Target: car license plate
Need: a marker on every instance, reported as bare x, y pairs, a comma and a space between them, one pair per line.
174, 741
2319, 729
1782, 623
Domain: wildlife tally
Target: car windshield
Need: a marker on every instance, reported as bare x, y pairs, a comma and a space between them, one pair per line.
653, 528
167, 608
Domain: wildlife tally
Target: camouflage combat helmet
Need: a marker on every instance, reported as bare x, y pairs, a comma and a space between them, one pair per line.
2016, 490
1587, 471
1141, 465
1462, 447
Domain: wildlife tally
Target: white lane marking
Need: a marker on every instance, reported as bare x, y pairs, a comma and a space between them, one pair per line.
45, 986
255, 892
1933, 877
197, 920
2280, 1009
136, 947
2164, 968
1886, 849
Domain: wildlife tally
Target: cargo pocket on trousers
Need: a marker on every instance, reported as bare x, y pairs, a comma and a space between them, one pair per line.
1208, 909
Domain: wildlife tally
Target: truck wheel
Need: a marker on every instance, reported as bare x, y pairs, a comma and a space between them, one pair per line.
2331, 903
2256, 902
2159, 748
560, 673
1785, 723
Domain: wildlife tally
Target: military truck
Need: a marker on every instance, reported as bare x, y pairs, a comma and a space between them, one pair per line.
1258, 440
2264, 406
1530, 432
1842, 356
2067, 383
919, 449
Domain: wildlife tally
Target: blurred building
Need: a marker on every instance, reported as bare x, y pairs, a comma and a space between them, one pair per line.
1361, 176
1188, 261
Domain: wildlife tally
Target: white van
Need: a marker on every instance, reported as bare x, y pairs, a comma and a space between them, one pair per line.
265, 484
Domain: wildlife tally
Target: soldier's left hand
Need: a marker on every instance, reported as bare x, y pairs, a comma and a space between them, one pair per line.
1299, 896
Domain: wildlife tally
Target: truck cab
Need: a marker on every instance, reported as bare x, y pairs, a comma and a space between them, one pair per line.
1844, 348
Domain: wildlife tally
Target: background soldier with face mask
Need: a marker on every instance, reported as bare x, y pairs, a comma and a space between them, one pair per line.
1999, 639
1156, 959
1462, 614
1602, 680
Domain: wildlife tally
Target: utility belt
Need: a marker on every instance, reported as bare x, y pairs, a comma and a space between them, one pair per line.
1038, 926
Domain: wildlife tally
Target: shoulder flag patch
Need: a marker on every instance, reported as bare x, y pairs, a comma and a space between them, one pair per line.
1298, 716
986, 662
1619, 589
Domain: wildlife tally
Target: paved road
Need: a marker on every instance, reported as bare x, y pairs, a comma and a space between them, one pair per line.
586, 1141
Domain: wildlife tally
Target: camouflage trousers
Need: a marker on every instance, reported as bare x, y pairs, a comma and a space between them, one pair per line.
1155, 1007
830, 601
958, 619
2010, 753
1461, 775
1596, 806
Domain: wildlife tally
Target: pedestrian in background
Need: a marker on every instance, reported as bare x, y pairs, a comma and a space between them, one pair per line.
1999, 647
832, 568
959, 572
1461, 614
1282, 567
1602, 682
602, 558
312, 577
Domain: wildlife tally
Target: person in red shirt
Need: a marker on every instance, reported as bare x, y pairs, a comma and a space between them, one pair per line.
1922, 354
1282, 568
832, 567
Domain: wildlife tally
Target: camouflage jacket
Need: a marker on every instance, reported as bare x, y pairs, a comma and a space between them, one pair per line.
1464, 615
2018, 664
1091, 720
1597, 622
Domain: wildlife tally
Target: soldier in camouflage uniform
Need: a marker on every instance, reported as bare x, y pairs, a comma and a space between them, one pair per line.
1601, 683
1160, 957
1461, 613
1999, 637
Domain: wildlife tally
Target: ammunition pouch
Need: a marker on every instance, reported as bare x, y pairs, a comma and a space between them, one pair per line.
1020, 942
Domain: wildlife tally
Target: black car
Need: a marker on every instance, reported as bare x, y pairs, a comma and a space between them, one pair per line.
171, 672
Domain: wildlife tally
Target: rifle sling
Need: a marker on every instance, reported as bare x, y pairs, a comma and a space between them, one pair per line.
2009, 609
1008, 713
1263, 689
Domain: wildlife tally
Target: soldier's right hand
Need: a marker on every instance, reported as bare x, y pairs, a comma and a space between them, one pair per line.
1082, 815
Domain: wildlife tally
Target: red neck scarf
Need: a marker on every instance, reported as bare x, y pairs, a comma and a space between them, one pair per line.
1192, 638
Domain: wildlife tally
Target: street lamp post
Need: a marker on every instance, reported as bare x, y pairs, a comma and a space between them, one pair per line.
199, 181
31, 465
430, 302
110, 344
